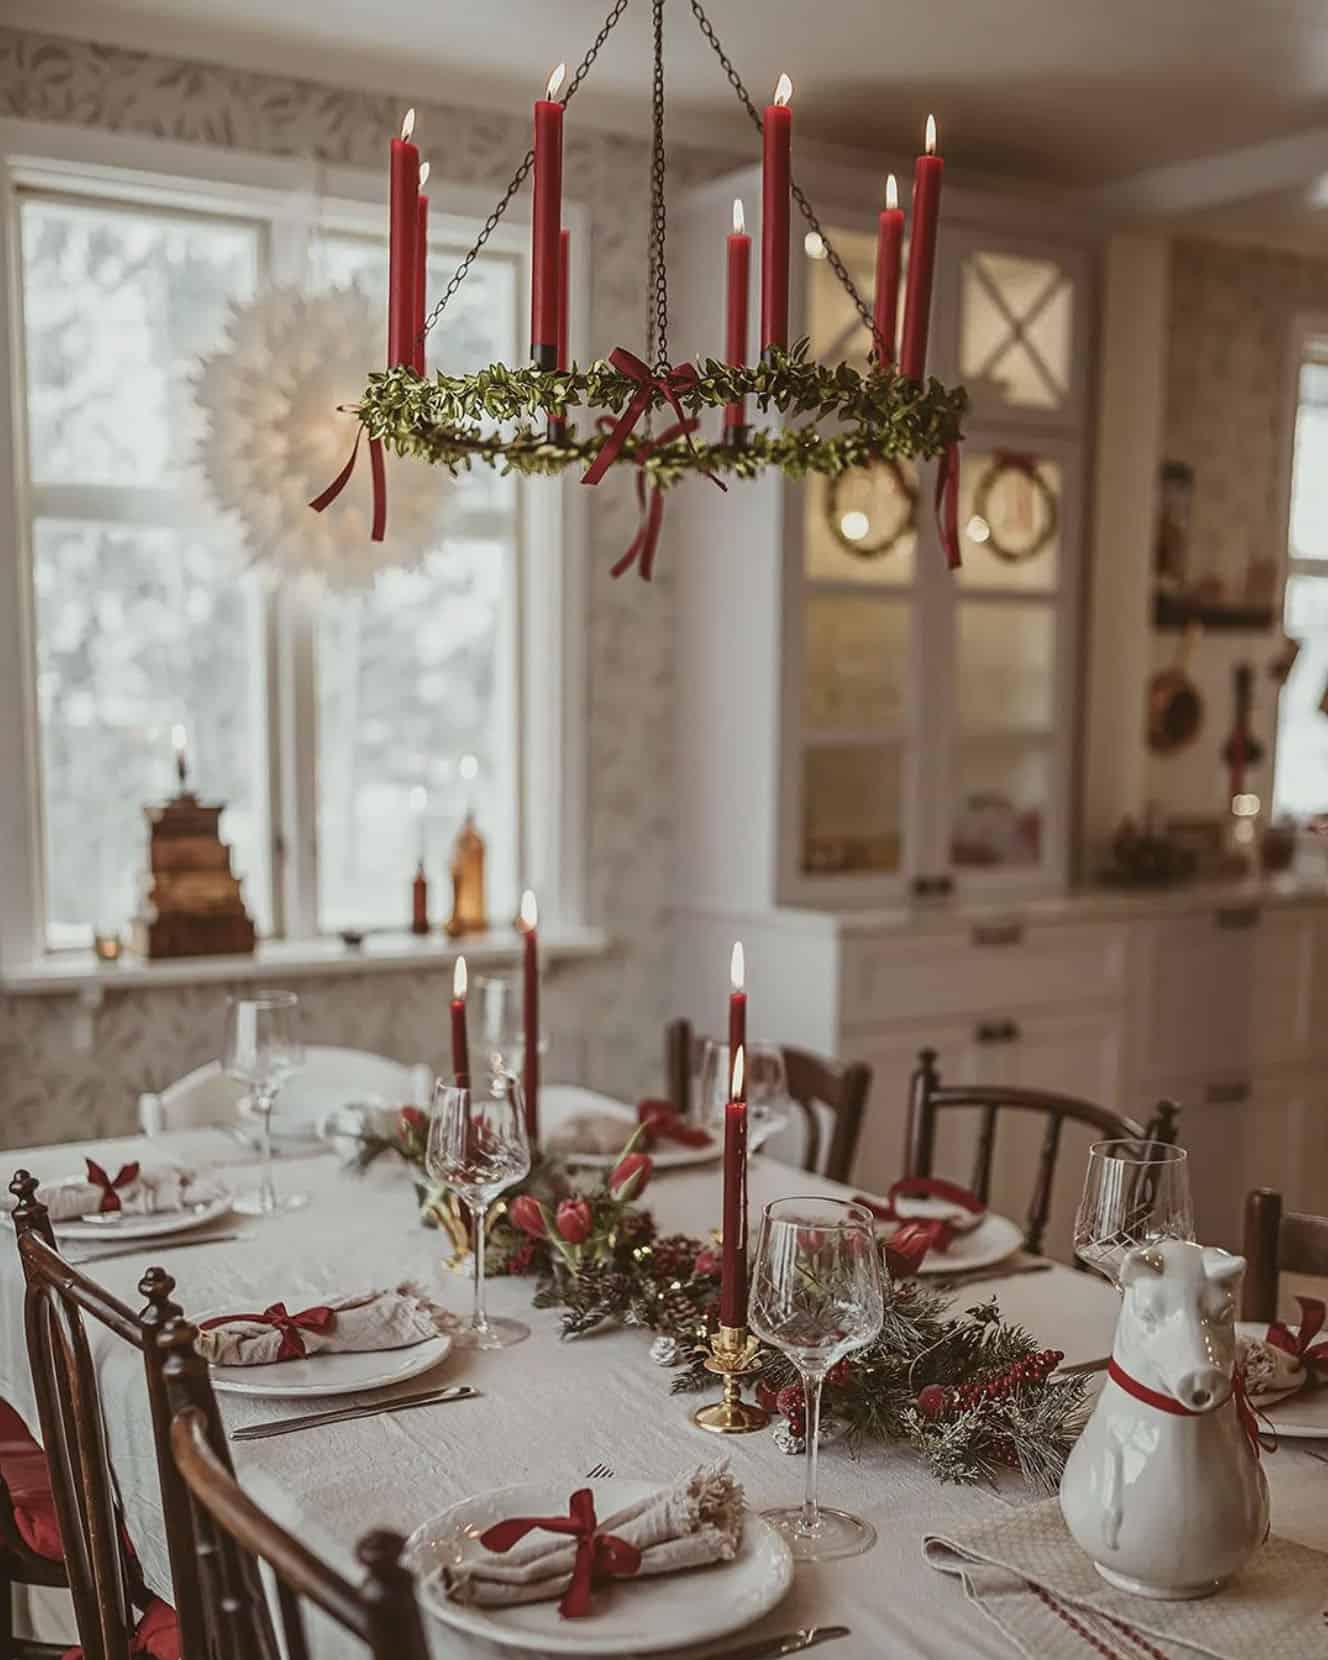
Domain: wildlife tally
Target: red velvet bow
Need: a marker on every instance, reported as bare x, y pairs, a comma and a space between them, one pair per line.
668, 385
664, 1124
1300, 1344
379, 476
289, 1325
598, 1555
947, 504
649, 499
906, 1247
1245, 1413
110, 1198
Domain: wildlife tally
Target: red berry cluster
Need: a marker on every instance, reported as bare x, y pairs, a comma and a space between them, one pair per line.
935, 1400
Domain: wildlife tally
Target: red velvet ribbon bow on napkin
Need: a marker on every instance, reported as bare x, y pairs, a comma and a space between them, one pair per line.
289, 1325
124, 1177
1245, 1413
379, 477
598, 1555
910, 1242
1300, 1344
664, 1124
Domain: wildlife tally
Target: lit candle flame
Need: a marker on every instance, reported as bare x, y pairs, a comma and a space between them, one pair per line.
783, 91
739, 222
178, 737
424, 175
529, 911
931, 135
459, 979
891, 192
736, 1093
555, 81
408, 125
737, 967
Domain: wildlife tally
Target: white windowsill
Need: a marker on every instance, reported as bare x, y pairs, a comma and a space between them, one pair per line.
79, 971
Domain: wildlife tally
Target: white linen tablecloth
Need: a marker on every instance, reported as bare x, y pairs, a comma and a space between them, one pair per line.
550, 1410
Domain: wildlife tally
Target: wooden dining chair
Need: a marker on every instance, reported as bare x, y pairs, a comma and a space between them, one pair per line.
103, 1577
1278, 1241
928, 1097
837, 1088
233, 1535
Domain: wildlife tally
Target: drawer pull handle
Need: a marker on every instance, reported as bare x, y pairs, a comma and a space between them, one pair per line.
1237, 916
997, 1031
1223, 1095
998, 933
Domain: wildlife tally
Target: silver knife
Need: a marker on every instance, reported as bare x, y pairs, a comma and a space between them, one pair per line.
792, 1642
344, 1415
998, 1271
158, 1244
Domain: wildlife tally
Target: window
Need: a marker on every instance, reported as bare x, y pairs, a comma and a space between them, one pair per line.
401, 704
1301, 781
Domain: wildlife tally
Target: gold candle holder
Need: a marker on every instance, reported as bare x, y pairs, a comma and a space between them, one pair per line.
733, 1356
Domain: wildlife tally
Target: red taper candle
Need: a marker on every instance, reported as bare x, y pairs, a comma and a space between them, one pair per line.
927, 174
733, 1258
546, 216
530, 1015
737, 1003
421, 272
735, 313
889, 247
564, 294
460, 1041
776, 180
403, 229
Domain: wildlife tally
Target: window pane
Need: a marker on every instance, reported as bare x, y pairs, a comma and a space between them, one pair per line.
1009, 521
1004, 666
856, 673
1001, 803
1301, 785
1309, 474
138, 630
862, 527
117, 306
853, 806
1015, 336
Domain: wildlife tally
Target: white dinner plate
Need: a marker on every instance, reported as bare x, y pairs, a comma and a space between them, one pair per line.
994, 1239
121, 1224
331, 1374
665, 1155
640, 1616
1302, 1415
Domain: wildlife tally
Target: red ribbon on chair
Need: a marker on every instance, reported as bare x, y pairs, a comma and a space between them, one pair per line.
663, 1123
378, 475
1300, 1344
1245, 1413
598, 1555
289, 1325
126, 1176
947, 504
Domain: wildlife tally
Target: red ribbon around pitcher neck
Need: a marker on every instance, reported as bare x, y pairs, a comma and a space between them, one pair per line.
1300, 1344
664, 1124
289, 1325
1245, 1413
598, 1555
379, 478
126, 1176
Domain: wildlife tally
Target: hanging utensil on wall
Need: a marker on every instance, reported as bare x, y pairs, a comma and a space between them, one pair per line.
1242, 749
1175, 708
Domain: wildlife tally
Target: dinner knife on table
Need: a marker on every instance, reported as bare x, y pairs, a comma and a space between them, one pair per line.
345, 1414
791, 1642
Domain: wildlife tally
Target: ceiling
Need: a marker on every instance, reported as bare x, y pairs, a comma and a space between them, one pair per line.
1086, 94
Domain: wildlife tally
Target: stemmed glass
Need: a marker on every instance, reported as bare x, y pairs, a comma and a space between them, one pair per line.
1135, 1192
262, 1048
498, 1022
816, 1295
477, 1147
766, 1088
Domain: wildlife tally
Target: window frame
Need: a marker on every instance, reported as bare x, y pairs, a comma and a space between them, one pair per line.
290, 198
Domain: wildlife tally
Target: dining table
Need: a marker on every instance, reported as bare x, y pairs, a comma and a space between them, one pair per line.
549, 1409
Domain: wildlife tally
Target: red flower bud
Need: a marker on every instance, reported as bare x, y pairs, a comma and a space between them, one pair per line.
573, 1221
528, 1215
629, 1180
708, 1261
413, 1120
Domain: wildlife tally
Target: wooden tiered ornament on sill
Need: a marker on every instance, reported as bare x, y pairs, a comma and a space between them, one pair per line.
193, 907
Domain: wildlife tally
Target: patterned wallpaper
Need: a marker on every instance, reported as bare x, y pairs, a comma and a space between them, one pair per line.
607, 1015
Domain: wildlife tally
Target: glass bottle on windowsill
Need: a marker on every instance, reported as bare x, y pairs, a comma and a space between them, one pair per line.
469, 915
419, 901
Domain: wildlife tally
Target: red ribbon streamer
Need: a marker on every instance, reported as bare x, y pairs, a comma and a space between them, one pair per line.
947, 504
110, 1199
1300, 1344
663, 1123
378, 475
289, 1325
598, 1555
1249, 1419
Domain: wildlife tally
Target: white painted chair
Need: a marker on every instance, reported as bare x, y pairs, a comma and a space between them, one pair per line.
330, 1078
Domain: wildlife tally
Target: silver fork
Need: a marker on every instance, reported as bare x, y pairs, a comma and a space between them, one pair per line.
598, 1472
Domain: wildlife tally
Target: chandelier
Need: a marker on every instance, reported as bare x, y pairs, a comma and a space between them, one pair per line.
552, 415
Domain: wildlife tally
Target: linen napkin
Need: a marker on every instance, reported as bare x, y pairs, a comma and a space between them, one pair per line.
132, 1189
342, 1325
589, 1132
696, 1521
930, 1212
1027, 1574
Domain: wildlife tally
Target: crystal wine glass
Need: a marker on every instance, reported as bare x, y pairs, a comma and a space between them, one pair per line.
262, 1048
498, 1022
816, 1295
477, 1147
1135, 1192
766, 1089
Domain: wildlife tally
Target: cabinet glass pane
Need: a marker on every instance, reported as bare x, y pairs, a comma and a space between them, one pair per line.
1015, 330
836, 332
855, 670
1000, 803
1010, 521
862, 527
852, 808
1004, 664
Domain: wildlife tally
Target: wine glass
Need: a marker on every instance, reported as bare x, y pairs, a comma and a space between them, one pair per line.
766, 1088
262, 1048
477, 1147
498, 1021
816, 1295
1135, 1192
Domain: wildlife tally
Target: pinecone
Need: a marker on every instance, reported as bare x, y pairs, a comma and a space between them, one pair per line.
677, 1314
671, 1258
636, 1227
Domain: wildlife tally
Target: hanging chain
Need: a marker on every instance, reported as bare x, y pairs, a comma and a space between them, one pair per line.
519, 177
657, 289
808, 212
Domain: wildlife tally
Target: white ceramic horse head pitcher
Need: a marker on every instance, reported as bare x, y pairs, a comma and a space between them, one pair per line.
1164, 1489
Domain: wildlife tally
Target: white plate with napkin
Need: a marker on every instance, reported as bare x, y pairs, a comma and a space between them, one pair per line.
150, 1202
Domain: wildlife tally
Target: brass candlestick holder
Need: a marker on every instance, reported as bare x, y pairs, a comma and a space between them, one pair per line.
733, 1356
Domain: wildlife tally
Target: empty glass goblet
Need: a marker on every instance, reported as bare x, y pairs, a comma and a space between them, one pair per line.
766, 1089
262, 1048
1135, 1192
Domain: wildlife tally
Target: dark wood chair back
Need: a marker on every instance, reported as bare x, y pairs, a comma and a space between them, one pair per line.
103, 1580
1278, 1241
233, 1535
928, 1096
841, 1088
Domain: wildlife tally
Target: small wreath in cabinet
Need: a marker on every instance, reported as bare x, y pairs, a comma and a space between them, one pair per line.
879, 546
1046, 513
